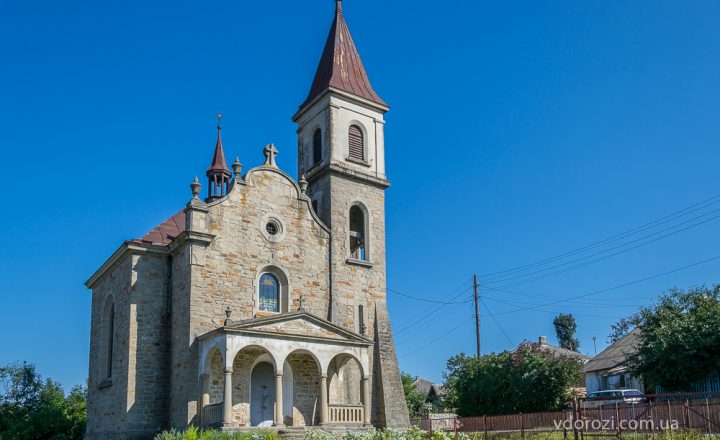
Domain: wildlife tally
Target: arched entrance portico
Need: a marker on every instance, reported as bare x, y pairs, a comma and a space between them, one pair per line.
290, 370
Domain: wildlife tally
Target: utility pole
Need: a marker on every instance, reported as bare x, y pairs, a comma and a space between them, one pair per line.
477, 314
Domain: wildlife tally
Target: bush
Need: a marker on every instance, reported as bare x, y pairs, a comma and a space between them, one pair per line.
196, 434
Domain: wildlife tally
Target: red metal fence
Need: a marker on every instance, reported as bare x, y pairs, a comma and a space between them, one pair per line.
589, 417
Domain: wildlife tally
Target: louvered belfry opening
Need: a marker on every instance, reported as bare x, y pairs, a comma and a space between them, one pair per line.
317, 146
356, 143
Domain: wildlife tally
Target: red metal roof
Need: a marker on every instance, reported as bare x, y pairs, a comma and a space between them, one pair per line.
167, 231
340, 65
218, 162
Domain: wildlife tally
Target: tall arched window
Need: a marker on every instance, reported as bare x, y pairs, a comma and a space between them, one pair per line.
357, 233
317, 146
356, 143
109, 337
269, 294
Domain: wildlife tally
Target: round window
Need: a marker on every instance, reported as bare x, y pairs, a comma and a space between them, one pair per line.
272, 228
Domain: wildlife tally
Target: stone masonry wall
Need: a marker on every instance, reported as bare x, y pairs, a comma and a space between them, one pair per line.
134, 402
355, 285
106, 406
225, 275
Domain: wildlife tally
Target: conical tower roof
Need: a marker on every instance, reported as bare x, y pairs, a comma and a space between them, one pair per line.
218, 165
340, 65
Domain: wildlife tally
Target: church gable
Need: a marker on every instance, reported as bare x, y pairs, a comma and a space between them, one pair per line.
300, 324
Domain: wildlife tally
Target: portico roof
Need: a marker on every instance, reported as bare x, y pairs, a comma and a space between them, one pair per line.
294, 325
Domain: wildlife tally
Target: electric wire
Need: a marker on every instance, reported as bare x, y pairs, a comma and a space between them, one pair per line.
546, 275
681, 213
497, 322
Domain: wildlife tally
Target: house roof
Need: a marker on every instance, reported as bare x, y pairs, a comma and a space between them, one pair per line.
615, 354
425, 386
340, 66
563, 352
167, 231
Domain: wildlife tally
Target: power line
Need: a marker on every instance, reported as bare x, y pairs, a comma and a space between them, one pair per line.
699, 206
631, 283
438, 338
546, 275
433, 309
497, 322
428, 300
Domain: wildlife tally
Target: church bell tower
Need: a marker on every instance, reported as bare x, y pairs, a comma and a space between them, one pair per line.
341, 154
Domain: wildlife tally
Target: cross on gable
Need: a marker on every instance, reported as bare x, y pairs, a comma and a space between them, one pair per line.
270, 152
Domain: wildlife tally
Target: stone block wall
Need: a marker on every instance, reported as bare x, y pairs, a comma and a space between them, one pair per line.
134, 399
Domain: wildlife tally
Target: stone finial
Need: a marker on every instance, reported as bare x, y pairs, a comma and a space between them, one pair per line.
270, 152
237, 167
228, 314
303, 184
195, 187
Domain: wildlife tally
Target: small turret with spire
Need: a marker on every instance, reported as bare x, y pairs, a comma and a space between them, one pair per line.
218, 173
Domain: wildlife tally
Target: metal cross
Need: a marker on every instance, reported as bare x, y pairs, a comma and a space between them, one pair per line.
270, 152
219, 118
301, 300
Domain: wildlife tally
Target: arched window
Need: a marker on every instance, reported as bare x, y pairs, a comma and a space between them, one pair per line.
109, 337
357, 233
269, 294
356, 143
317, 146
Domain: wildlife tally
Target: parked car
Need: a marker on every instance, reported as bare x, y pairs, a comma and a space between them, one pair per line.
613, 397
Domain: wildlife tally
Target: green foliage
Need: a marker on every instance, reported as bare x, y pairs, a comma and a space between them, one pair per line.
31, 408
372, 434
529, 379
415, 400
211, 434
679, 342
565, 328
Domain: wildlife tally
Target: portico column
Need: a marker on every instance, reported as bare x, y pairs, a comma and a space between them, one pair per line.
227, 399
204, 396
279, 419
366, 400
323, 399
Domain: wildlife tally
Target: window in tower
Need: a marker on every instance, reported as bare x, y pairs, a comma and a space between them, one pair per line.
357, 233
356, 143
109, 337
317, 146
269, 293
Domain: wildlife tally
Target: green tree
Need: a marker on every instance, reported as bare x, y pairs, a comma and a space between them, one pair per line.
565, 328
528, 379
415, 400
31, 408
679, 341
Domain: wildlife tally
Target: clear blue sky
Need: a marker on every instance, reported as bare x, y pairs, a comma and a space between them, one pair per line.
518, 131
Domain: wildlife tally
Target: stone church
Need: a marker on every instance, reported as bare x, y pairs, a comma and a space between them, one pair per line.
262, 304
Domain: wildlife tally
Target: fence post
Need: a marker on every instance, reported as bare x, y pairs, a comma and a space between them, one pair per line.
707, 410
430, 429
485, 426
687, 413
574, 417
617, 419
564, 433
522, 426
455, 426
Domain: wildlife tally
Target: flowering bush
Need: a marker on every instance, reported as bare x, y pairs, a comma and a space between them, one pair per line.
195, 434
